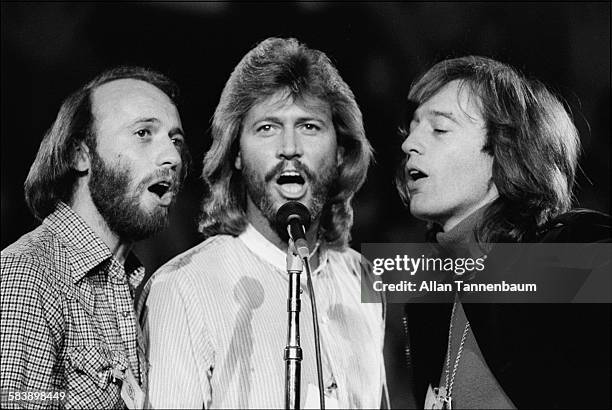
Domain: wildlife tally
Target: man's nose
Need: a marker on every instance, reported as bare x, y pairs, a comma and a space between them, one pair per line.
168, 154
290, 144
413, 143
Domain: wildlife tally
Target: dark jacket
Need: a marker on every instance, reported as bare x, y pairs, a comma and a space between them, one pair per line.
543, 355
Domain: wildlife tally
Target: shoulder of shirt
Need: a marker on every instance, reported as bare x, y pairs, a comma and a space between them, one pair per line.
578, 226
353, 259
31, 261
33, 253
211, 250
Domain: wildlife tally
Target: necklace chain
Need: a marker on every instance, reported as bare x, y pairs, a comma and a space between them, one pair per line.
449, 387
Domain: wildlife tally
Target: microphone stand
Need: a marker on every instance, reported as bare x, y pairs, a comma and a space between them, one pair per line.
293, 351
315, 324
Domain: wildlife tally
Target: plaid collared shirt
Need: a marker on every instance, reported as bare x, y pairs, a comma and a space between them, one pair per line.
67, 315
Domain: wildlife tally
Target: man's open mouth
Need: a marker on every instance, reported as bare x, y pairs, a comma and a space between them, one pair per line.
416, 174
160, 188
292, 184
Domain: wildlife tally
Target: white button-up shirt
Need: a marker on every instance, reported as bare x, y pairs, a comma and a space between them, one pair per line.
216, 323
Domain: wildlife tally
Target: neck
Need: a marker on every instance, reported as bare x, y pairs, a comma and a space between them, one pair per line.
454, 220
461, 239
83, 205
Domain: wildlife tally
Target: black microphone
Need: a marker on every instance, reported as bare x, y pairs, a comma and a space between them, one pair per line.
296, 216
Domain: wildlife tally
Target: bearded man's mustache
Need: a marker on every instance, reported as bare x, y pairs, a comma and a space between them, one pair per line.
280, 167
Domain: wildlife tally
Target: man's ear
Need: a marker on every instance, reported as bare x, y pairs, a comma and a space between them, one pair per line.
81, 160
340, 155
238, 161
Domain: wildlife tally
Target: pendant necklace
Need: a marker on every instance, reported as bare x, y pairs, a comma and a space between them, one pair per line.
442, 396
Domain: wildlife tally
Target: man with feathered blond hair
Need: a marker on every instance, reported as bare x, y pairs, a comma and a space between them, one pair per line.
287, 128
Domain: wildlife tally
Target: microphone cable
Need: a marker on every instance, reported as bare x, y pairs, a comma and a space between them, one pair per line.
315, 325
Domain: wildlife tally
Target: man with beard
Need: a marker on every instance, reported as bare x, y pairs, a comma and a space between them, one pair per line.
287, 127
104, 177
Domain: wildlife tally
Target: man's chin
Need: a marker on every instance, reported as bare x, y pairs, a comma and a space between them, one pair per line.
148, 229
269, 202
420, 211
146, 222
159, 217
306, 201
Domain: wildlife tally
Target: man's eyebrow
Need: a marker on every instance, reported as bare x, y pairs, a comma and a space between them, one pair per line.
312, 117
268, 118
176, 131
300, 119
445, 114
145, 119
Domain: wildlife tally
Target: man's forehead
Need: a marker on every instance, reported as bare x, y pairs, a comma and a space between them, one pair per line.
126, 90
128, 97
283, 99
123, 87
455, 100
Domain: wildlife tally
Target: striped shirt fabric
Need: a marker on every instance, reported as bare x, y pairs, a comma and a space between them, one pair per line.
67, 315
216, 323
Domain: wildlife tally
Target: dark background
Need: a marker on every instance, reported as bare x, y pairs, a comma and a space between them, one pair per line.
49, 50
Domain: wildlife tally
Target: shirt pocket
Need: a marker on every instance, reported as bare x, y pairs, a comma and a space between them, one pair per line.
92, 361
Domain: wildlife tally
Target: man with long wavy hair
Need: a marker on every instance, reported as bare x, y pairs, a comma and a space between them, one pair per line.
105, 176
491, 157
287, 127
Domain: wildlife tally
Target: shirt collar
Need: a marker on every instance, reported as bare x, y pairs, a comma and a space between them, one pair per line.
260, 245
461, 239
84, 248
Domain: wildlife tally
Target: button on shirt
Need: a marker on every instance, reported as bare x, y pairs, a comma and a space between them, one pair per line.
221, 309
68, 314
